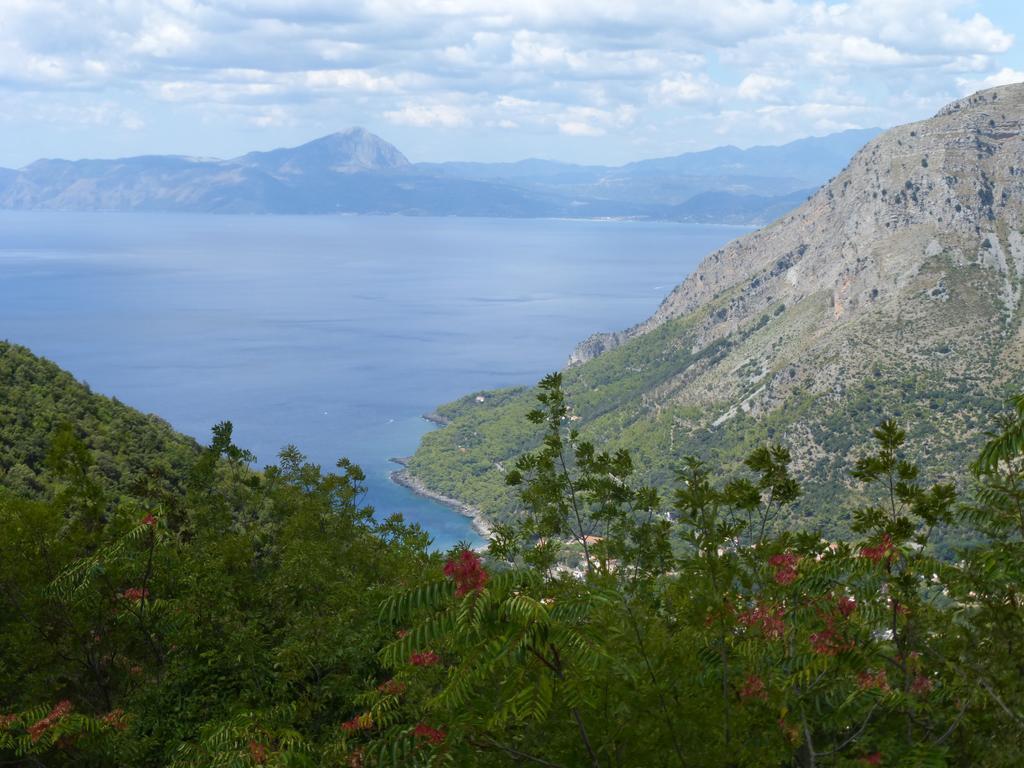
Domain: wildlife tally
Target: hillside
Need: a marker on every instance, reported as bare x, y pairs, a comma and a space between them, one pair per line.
896, 289
38, 399
355, 171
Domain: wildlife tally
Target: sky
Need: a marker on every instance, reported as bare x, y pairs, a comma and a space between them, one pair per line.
590, 81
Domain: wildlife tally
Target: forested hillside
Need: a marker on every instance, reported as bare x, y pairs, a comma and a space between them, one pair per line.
39, 401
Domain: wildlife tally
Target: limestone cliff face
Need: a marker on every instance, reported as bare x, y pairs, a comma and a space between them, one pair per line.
949, 186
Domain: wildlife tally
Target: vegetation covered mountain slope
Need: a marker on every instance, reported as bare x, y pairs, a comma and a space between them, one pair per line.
896, 289
39, 402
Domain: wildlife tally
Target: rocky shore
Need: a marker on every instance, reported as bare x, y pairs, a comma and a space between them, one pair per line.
407, 480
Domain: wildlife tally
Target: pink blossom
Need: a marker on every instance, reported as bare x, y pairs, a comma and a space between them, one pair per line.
883, 549
424, 659
37, 729
785, 567
753, 688
921, 684
869, 680
258, 752
357, 723
769, 620
468, 573
846, 606
432, 735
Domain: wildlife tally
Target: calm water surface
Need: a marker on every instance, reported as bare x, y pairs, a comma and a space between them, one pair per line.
332, 333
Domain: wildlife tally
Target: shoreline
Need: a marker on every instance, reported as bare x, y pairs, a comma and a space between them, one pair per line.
480, 524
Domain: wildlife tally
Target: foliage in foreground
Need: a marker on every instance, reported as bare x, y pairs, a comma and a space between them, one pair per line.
232, 625
266, 619
708, 637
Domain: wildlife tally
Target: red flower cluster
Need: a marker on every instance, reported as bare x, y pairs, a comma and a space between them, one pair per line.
468, 573
921, 684
115, 719
828, 642
358, 723
392, 687
873, 759
768, 619
258, 752
149, 520
753, 688
785, 567
846, 606
36, 730
433, 735
424, 659
883, 549
135, 594
868, 680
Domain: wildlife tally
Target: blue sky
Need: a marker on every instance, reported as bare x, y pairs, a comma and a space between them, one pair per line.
598, 81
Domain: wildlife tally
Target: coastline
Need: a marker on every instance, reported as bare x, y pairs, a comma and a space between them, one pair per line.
435, 418
403, 478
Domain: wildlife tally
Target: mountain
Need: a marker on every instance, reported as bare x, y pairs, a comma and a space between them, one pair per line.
806, 161
355, 171
896, 290
766, 171
350, 151
732, 208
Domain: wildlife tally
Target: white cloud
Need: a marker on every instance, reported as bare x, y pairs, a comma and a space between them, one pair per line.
861, 50
350, 80
638, 73
1004, 76
577, 128
428, 115
683, 88
164, 39
761, 87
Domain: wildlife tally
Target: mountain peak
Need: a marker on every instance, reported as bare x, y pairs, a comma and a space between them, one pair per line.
350, 151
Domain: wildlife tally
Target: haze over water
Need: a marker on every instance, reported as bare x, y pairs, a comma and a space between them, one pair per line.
332, 333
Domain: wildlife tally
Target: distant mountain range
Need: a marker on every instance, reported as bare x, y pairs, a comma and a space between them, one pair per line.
357, 172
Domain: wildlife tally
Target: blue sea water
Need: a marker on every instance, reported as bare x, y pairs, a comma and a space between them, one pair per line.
332, 333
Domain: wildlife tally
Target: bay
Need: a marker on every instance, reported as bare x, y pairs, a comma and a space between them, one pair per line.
333, 333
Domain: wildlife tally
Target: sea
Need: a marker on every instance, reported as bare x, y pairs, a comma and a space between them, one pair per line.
332, 333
